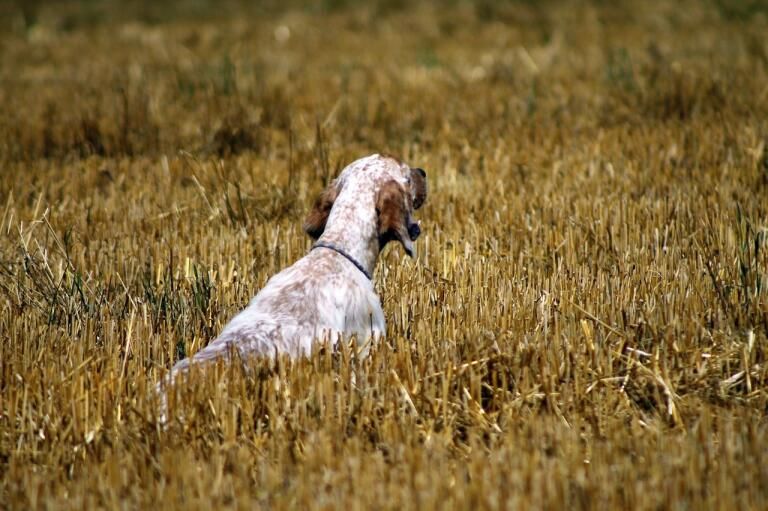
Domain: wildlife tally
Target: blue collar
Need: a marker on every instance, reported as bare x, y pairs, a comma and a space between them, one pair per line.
320, 244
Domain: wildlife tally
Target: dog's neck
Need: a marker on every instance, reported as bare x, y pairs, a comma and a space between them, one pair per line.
352, 227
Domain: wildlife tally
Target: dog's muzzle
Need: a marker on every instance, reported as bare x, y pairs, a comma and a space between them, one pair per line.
414, 231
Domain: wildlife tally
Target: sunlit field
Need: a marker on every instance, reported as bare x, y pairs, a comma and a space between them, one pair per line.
585, 324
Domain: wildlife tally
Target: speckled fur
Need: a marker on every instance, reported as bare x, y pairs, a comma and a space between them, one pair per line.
323, 296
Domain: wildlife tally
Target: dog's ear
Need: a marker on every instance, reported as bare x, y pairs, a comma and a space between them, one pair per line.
419, 185
392, 213
314, 223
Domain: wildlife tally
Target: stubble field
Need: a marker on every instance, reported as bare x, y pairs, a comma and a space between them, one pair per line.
585, 325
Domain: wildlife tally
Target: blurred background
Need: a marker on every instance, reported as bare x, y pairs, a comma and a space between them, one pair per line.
110, 78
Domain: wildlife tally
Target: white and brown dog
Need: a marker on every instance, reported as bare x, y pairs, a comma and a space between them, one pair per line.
328, 294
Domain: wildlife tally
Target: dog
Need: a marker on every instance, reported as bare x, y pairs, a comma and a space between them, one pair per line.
328, 294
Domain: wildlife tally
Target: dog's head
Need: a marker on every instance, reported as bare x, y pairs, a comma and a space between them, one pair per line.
397, 189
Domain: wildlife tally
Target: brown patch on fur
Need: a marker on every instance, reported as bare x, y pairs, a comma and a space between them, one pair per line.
314, 223
419, 184
392, 214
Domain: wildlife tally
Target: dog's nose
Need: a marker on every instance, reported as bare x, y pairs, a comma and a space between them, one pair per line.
414, 231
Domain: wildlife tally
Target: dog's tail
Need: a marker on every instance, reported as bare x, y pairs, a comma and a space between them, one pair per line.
180, 372
168, 384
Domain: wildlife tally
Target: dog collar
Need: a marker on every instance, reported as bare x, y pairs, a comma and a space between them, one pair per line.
351, 259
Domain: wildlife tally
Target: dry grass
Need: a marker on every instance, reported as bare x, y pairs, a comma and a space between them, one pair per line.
586, 326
